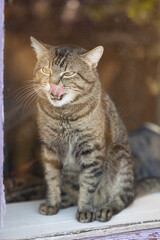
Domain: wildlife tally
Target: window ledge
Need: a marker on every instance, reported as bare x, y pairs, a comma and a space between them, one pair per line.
22, 221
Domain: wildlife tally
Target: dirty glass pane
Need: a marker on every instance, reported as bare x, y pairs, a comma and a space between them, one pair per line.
129, 70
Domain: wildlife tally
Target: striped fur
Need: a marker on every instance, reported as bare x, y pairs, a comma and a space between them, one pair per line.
85, 150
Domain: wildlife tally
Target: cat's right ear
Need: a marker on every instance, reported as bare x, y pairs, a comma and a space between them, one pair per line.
38, 47
93, 56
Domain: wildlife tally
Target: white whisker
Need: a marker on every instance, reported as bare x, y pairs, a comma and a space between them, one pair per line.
25, 96
73, 88
28, 102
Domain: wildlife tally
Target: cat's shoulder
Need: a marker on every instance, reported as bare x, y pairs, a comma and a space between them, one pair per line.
106, 99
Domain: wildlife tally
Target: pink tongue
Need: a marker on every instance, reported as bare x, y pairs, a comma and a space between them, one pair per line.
56, 90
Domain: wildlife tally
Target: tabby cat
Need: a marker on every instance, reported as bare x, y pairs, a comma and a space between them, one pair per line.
84, 143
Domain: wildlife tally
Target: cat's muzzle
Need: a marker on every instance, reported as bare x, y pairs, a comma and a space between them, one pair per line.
56, 97
56, 92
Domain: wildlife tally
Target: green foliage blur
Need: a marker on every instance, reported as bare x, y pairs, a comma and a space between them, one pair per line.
140, 11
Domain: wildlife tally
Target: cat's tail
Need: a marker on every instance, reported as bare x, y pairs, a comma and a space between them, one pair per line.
146, 186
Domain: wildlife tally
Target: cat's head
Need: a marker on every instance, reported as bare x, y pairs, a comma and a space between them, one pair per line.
65, 74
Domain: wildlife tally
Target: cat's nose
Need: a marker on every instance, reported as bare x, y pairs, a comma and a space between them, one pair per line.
56, 90
54, 80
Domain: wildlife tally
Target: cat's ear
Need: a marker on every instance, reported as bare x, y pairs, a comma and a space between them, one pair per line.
38, 47
93, 56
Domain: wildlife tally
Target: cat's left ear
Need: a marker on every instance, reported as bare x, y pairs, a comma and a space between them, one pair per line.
93, 56
38, 47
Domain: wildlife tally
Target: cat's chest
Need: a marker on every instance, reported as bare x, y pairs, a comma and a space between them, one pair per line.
69, 157
65, 145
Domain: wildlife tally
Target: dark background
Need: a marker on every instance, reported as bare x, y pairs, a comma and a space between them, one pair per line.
129, 70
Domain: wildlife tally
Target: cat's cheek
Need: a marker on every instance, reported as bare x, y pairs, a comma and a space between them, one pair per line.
47, 87
65, 100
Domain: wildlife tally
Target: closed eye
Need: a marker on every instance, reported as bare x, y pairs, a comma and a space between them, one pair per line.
68, 74
46, 71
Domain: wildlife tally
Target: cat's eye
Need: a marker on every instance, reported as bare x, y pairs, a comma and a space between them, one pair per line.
68, 74
46, 71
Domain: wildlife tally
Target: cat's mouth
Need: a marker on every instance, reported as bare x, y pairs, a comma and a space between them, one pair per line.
56, 97
56, 92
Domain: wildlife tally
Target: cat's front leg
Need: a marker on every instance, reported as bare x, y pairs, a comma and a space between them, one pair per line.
52, 169
92, 170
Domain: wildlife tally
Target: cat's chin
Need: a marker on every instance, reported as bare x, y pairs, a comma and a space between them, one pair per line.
65, 99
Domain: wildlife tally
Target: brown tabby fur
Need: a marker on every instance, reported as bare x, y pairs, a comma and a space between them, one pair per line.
85, 150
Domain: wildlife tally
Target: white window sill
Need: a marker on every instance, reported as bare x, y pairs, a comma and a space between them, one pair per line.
22, 221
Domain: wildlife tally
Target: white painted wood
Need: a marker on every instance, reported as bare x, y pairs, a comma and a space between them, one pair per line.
23, 221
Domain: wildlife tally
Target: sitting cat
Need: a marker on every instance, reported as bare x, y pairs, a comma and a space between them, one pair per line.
84, 143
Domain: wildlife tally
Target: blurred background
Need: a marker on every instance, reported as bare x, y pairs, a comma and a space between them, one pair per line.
129, 70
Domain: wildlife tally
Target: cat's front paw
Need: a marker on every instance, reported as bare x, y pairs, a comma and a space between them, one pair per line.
85, 216
104, 214
48, 210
